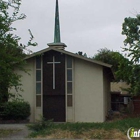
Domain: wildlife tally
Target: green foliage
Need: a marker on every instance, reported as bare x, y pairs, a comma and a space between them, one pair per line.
131, 29
16, 110
82, 54
12, 51
41, 124
115, 59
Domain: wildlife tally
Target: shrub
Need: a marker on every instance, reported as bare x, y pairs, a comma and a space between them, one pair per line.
41, 124
16, 110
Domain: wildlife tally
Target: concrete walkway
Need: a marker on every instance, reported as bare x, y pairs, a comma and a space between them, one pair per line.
22, 134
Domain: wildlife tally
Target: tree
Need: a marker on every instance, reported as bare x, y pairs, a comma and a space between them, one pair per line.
116, 59
131, 29
82, 54
12, 52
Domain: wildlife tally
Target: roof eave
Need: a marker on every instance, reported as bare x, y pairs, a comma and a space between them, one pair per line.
68, 53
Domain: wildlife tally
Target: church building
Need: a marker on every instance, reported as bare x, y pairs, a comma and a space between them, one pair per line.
65, 86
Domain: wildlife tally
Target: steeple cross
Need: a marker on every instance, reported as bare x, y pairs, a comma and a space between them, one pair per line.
53, 63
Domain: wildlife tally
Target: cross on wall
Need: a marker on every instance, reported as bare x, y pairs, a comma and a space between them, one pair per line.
53, 63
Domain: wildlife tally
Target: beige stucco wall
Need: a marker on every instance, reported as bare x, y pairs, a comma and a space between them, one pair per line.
69, 114
28, 85
38, 113
88, 92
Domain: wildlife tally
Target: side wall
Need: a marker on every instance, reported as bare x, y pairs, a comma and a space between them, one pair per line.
107, 93
88, 92
28, 85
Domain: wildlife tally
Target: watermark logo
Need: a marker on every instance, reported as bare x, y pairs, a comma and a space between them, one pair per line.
132, 133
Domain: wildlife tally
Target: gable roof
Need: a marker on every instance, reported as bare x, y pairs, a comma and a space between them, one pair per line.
70, 54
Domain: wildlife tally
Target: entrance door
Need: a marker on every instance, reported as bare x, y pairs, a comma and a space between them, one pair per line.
54, 108
54, 86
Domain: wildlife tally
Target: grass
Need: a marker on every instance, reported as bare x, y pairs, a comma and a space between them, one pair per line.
116, 129
6, 132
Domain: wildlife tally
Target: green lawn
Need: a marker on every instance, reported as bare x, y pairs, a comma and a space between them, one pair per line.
79, 130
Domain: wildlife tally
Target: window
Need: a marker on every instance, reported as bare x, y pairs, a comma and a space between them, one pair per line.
69, 100
38, 81
38, 101
69, 75
69, 62
38, 88
69, 81
38, 62
69, 87
38, 75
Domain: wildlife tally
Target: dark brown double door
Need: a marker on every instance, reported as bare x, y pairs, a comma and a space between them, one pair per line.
54, 86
